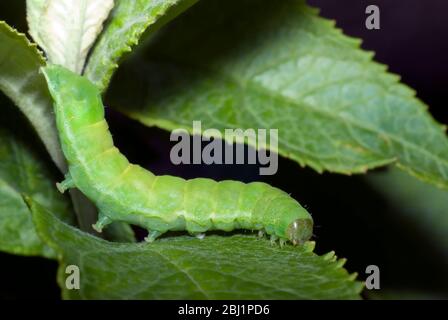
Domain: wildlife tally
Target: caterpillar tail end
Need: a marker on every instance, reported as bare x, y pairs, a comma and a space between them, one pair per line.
66, 184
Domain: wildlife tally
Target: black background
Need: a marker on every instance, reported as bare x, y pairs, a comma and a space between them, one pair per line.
350, 217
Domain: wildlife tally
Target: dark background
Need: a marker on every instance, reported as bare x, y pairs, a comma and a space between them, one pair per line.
351, 217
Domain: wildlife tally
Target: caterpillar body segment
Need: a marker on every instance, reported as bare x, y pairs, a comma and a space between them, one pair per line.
126, 192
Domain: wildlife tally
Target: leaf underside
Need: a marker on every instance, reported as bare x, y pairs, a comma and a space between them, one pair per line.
67, 29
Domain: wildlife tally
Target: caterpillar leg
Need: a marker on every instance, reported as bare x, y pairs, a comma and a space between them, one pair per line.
103, 221
274, 238
153, 235
260, 233
66, 184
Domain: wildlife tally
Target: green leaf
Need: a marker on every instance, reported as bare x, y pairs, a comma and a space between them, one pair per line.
21, 81
67, 29
236, 267
424, 205
23, 171
278, 65
127, 23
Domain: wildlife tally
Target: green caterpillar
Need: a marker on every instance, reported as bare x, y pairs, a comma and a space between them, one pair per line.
126, 192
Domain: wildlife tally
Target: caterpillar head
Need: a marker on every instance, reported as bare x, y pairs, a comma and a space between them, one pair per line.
299, 231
